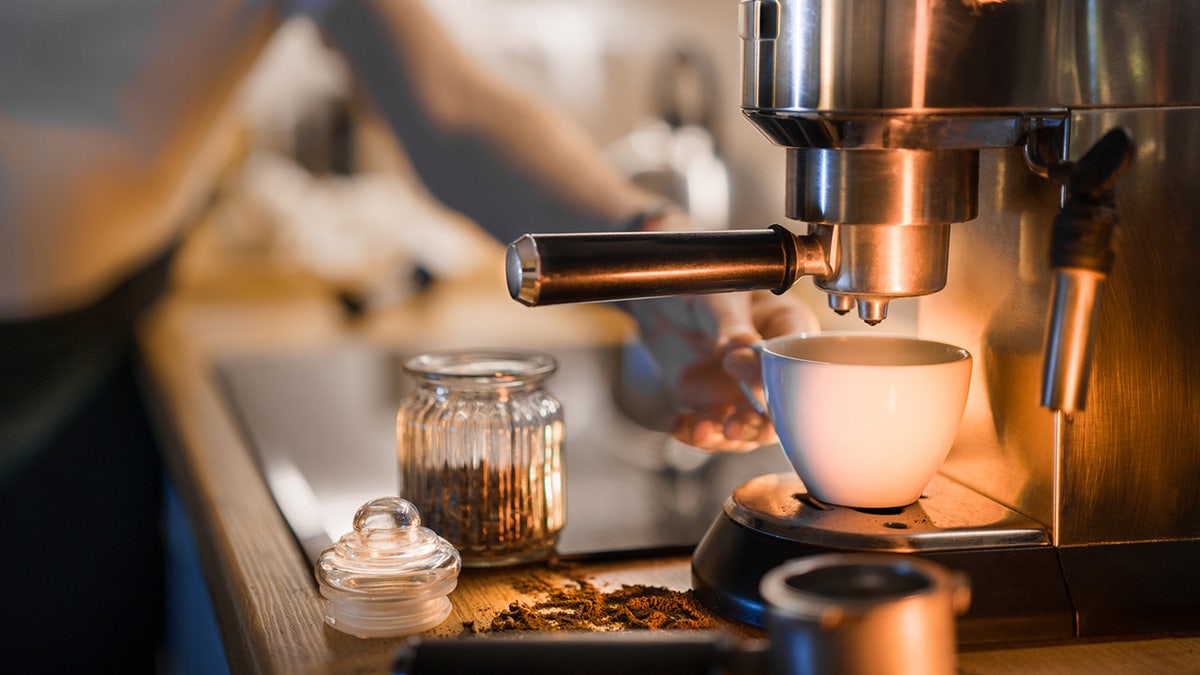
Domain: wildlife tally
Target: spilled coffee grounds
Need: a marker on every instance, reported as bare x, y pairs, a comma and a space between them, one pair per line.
580, 605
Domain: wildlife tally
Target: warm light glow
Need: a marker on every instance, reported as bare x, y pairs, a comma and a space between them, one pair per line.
911, 186
827, 58
920, 53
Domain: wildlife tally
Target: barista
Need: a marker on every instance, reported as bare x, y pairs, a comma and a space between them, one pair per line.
111, 131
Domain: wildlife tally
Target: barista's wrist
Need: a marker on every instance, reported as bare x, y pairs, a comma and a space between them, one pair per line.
661, 217
664, 216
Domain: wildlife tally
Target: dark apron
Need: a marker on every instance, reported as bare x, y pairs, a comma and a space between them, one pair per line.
80, 489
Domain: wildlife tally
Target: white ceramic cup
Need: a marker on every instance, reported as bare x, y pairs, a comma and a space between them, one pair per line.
866, 420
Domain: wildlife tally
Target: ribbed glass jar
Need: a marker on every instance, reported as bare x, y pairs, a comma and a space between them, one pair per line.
479, 441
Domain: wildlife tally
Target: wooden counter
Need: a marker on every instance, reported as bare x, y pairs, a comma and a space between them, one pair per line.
262, 587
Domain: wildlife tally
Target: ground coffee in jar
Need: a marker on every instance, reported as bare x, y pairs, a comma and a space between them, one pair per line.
479, 441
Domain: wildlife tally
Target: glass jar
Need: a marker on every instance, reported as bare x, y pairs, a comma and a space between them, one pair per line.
388, 576
479, 442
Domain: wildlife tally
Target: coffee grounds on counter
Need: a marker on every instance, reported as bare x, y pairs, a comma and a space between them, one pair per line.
581, 606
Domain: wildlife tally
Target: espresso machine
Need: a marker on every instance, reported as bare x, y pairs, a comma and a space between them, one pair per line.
1030, 169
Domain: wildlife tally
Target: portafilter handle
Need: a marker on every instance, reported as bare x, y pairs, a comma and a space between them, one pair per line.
1081, 256
551, 269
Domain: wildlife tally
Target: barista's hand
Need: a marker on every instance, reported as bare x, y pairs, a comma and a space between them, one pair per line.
719, 417
701, 342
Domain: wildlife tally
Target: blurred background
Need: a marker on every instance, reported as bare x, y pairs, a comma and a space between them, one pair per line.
319, 187
655, 83
620, 67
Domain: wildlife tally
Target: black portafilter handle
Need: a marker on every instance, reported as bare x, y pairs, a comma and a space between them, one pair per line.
658, 652
551, 269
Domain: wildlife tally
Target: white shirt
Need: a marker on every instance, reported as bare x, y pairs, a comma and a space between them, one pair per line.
113, 124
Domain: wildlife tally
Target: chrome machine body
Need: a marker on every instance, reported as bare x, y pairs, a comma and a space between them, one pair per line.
963, 151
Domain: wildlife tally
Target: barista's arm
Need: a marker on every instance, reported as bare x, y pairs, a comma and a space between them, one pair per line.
514, 166
481, 145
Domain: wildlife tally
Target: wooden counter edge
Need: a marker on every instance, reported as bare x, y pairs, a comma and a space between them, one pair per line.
263, 591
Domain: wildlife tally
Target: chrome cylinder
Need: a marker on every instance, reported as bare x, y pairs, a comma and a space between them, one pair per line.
1069, 339
882, 187
909, 74
885, 216
854, 614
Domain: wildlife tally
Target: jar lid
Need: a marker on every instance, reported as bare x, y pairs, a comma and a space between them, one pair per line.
493, 365
390, 575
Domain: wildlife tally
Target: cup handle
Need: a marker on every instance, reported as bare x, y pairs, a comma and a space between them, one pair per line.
759, 406
756, 402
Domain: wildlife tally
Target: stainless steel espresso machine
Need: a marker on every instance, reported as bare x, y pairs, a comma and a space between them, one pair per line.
978, 154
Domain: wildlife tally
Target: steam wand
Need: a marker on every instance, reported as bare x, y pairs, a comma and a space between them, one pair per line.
1081, 256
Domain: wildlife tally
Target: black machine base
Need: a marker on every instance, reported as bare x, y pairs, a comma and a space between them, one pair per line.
1018, 593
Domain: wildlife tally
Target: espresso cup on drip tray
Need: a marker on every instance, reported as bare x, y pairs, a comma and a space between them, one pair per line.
865, 420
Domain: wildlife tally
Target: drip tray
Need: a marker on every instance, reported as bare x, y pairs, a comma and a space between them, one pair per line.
322, 426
